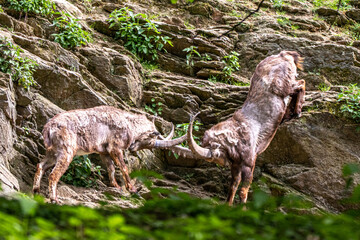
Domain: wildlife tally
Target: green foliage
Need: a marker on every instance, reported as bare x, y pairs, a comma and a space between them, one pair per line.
206, 57
178, 216
41, 7
182, 128
355, 31
139, 33
191, 51
231, 65
332, 4
348, 171
175, 1
70, 31
1, 9
154, 108
149, 65
20, 68
350, 102
277, 4
284, 21
324, 87
81, 172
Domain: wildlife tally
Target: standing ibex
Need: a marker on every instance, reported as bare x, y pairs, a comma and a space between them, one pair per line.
104, 130
240, 139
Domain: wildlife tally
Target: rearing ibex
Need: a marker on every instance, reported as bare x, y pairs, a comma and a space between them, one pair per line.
241, 138
104, 130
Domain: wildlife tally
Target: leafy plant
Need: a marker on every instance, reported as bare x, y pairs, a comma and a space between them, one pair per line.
149, 65
206, 57
1, 9
355, 31
191, 51
333, 4
179, 216
182, 128
284, 21
231, 64
81, 172
350, 102
175, 1
213, 79
324, 87
155, 107
277, 4
20, 68
70, 31
41, 7
139, 33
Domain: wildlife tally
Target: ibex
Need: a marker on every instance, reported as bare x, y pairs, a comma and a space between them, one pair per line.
238, 140
104, 130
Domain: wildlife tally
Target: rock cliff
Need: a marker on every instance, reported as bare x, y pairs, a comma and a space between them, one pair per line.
306, 155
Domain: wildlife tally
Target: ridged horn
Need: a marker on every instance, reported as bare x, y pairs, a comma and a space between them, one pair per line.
198, 151
169, 143
171, 134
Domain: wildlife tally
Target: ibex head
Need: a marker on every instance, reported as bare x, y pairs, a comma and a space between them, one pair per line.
153, 139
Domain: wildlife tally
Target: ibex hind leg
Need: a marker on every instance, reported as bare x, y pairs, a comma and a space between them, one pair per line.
63, 161
107, 160
247, 177
42, 167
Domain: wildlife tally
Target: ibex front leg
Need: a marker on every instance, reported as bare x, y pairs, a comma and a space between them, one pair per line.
107, 160
297, 100
118, 158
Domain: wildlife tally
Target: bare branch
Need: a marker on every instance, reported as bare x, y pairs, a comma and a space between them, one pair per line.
238, 24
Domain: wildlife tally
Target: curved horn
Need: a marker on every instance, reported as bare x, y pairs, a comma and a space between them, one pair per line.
198, 151
171, 134
169, 143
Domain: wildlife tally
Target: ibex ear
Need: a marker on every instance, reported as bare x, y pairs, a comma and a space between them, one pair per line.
154, 134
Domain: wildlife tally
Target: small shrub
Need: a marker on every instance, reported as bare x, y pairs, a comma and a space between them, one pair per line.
284, 21
191, 51
355, 31
20, 68
332, 4
41, 7
277, 4
231, 64
155, 107
139, 33
323, 87
206, 57
182, 128
81, 172
350, 102
70, 31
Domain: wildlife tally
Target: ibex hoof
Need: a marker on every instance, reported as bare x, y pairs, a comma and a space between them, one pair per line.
36, 190
54, 201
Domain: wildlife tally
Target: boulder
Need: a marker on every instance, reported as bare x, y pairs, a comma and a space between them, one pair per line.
353, 14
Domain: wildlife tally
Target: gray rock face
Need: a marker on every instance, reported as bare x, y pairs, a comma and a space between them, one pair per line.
338, 64
309, 155
354, 14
